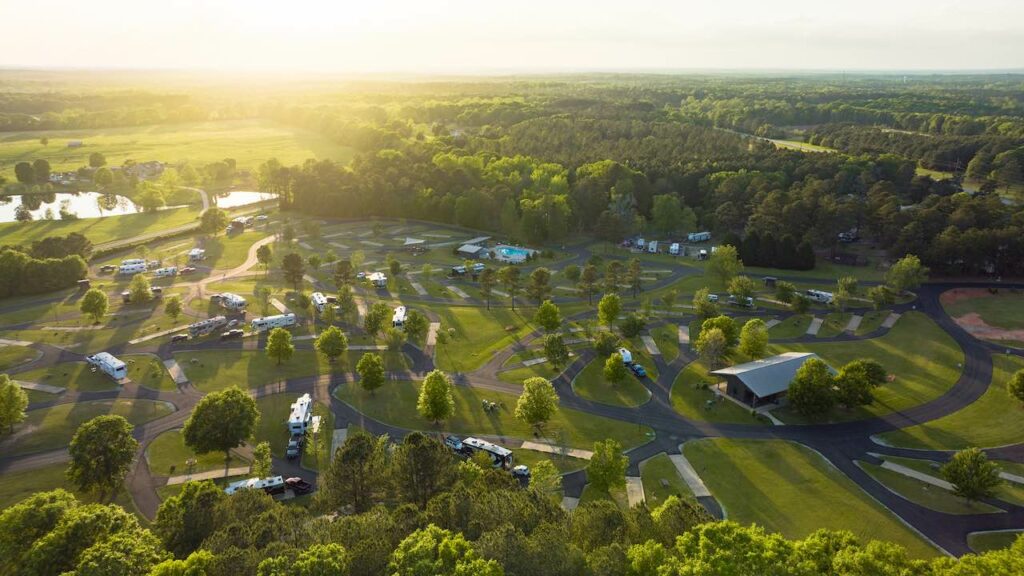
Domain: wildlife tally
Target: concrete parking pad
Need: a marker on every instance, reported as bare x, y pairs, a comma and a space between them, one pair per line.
635, 491
210, 475
534, 361
432, 334
337, 439
550, 449
684, 334
890, 320
458, 292
854, 323
160, 334
177, 374
340, 245
651, 345
570, 503
418, 288
371, 243
39, 387
689, 475
816, 323
281, 308
772, 322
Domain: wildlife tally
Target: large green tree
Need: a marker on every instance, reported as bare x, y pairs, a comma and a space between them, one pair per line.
972, 475
724, 264
375, 318
607, 468
433, 551
294, 269
754, 338
1016, 385
548, 316
509, 277
221, 421
906, 274
555, 350
537, 403
371, 371
185, 519
614, 370
101, 451
436, 401
608, 309
812, 392
13, 401
332, 343
94, 304
421, 467
279, 345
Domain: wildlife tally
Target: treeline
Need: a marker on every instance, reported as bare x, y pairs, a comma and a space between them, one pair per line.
769, 252
53, 263
416, 511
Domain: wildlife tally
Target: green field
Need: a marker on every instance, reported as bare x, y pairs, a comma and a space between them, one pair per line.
143, 369
872, 321
1004, 309
995, 419
16, 486
590, 383
168, 455
698, 403
834, 324
53, 427
475, 334
1007, 491
99, 230
248, 142
11, 356
925, 494
395, 403
659, 468
787, 488
792, 327
922, 372
985, 541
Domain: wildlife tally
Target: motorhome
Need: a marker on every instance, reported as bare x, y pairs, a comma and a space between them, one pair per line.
271, 485
674, 249
501, 457
231, 301
627, 356
478, 267
166, 272
301, 416
196, 255
319, 302
378, 279
204, 327
131, 269
398, 320
132, 262
109, 365
698, 236
271, 322
640, 244
652, 246
458, 270
702, 255
819, 296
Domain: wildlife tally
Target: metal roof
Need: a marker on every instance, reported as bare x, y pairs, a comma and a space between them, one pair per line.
769, 375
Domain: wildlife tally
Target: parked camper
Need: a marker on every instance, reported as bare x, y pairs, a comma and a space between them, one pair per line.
674, 249
712, 297
702, 255
131, 269
746, 302
458, 271
698, 236
152, 264
196, 255
319, 302
272, 485
770, 281
270, 322
478, 267
627, 356
208, 326
652, 246
819, 296
378, 279
301, 415
166, 272
84, 284
501, 457
849, 236
231, 301
109, 365
126, 297
398, 320
640, 243
133, 262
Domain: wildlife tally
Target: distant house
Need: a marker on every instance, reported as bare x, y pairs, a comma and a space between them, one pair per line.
763, 381
144, 170
75, 143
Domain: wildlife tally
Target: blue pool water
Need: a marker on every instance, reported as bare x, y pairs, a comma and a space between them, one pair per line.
509, 252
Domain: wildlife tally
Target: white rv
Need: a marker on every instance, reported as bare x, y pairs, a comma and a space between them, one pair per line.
698, 236
166, 272
702, 255
319, 302
109, 365
640, 243
271, 322
819, 296
301, 415
398, 320
196, 255
268, 485
378, 279
627, 356
652, 246
132, 262
204, 327
674, 249
131, 269
231, 301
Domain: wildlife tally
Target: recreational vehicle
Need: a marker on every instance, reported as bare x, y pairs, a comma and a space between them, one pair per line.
702, 255
231, 301
270, 322
301, 415
196, 255
109, 365
208, 326
674, 249
378, 279
131, 269
819, 296
698, 236
652, 246
319, 302
640, 243
272, 485
627, 356
398, 320
166, 272
501, 457
132, 262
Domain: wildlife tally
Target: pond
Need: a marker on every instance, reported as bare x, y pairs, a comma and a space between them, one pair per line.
240, 198
81, 204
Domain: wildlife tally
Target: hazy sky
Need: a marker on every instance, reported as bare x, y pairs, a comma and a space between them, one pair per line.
519, 35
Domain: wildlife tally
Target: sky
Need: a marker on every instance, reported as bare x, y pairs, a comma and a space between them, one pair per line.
477, 36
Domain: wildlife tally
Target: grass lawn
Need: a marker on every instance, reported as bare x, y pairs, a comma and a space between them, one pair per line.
11, 356
792, 327
168, 455
395, 403
872, 321
51, 428
143, 369
986, 541
787, 488
834, 324
922, 372
272, 427
692, 402
517, 375
99, 230
475, 334
1007, 491
925, 494
667, 338
226, 251
563, 464
36, 397
591, 494
16, 486
1004, 309
995, 419
590, 383
659, 468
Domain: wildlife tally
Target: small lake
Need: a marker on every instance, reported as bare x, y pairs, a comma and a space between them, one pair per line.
82, 204
240, 198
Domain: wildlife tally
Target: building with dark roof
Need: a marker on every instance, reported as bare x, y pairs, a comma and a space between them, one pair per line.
763, 381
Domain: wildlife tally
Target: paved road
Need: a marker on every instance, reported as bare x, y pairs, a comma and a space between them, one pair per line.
842, 444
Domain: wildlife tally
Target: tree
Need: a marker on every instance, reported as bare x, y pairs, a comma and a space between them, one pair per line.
613, 277
509, 278
724, 264
608, 309
24, 173
702, 304
906, 274
343, 273
728, 327
436, 401
416, 325
97, 159
587, 285
548, 316
538, 402
13, 402
712, 346
784, 291
855, 382
101, 451
394, 338
261, 463
572, 273
185, 519
614, 369
668, 299
433, 551
265, 255
294, 269
540, 285
555, 350
172, 307
41, 170
329, 315
972, 475
606, 343
103, 178
669, 216
799, 304
488, 279
139, 288
150, 196
394, 265
314, 261
331, 343
847, 284
279, 345
811, 392
317, 560
880, 296
347, 302
94, 304
754, 338
221, 421
375, 318
634, 275
1016, 385
607, 468
213, 221
545, 478
421, 467
357, 474
126, 552
742, 287
371, 371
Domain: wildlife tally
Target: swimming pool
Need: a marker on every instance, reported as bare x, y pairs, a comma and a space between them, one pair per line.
512, 253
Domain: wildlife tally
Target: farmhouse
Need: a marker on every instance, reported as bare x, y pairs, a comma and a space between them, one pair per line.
763, 381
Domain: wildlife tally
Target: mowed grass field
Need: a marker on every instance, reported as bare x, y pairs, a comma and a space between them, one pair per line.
787, 488
248, 142
100, 230
1002, 310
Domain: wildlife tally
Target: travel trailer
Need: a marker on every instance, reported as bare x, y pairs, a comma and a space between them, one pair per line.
270, 322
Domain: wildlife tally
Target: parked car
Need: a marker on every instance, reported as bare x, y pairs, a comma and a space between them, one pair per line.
188, 270
712, 297
108, 268
233, 323
295, 444
638, 370
179, 338
361, 276
298, 485
261, 218
231, 334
